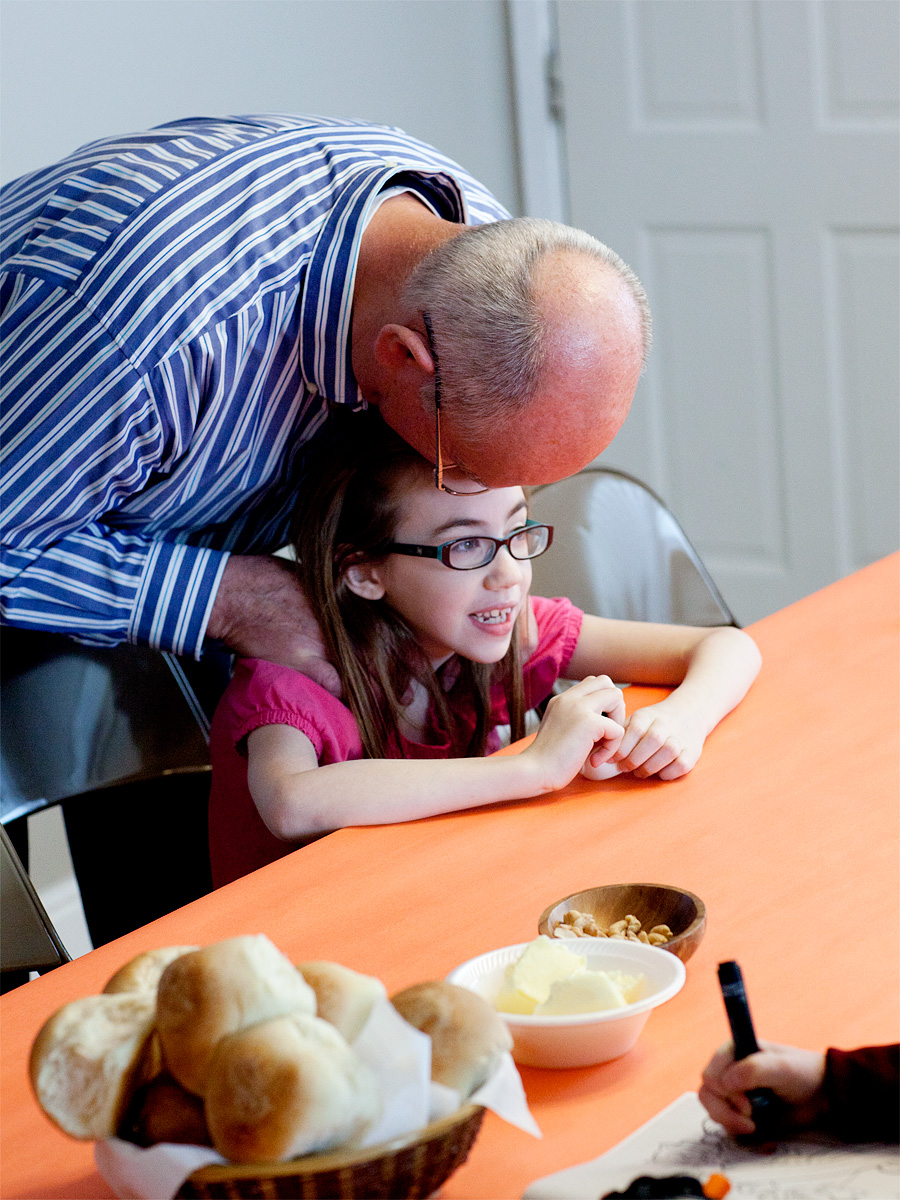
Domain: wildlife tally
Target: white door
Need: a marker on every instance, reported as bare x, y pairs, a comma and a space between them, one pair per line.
742, 156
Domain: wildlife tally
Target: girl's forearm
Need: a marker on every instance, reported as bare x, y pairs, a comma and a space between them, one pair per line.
720, 670
384, 791
297, 798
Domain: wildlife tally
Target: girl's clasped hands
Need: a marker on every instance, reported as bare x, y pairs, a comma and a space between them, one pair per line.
658, 740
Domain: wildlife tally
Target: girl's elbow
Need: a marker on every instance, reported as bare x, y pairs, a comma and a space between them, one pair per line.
741, 644
285, 817
752, 652
746, 658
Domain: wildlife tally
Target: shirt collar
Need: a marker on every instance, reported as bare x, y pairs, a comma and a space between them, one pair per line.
327, 299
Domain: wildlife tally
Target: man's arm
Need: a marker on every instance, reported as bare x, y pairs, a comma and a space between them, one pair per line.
103, 587
81, 435
260, 611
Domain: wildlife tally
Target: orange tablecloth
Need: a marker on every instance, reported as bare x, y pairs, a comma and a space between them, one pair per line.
787, 829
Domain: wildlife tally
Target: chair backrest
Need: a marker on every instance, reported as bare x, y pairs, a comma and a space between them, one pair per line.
77, 718
619, 552
29, 941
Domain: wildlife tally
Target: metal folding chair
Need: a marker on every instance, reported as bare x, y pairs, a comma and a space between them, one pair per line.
28, 940
619, 552
120, 739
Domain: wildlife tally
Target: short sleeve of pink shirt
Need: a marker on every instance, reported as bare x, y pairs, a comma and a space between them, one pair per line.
263, 693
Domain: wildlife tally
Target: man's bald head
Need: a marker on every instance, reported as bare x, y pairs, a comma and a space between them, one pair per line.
541, 332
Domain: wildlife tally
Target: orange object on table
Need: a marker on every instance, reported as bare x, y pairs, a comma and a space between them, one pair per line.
787, 829
716, 1187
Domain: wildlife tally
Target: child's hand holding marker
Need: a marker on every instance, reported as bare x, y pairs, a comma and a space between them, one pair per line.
794, 1074
765, 1090
764, 1107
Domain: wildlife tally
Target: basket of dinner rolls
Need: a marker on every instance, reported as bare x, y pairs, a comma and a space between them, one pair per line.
234, 1048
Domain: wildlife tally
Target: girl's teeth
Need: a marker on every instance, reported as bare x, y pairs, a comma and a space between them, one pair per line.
496, 617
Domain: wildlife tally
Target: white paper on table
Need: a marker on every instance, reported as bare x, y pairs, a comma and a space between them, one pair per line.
684, 1140
400, 1058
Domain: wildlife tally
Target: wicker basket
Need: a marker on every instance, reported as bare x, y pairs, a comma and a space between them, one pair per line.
413, 1166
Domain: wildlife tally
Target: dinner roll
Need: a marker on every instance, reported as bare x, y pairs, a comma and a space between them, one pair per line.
344, 998
142, 974
285, 1087
218, 990
88, 1058
468, 1037
164, 1111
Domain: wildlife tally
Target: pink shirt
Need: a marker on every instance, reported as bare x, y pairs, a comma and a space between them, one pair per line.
263, 693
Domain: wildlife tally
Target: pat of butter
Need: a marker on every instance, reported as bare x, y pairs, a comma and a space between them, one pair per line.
542, 963
509, 1000
588, 991
631, 986
549, 980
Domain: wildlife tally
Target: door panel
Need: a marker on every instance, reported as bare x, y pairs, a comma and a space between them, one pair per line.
742, 156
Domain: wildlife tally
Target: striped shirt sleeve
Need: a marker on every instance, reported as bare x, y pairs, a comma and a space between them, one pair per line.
64, 566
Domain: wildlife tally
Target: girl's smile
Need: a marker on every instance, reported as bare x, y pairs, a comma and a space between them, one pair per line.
497, 618
472, 612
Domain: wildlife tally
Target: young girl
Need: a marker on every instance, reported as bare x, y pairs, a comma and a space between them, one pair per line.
423, 601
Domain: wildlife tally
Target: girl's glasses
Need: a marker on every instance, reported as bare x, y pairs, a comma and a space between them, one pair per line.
439, 465
466, 554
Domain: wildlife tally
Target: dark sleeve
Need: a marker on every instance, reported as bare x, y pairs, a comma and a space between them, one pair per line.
862, 1088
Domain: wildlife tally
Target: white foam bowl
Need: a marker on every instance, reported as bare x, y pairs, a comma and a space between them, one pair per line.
585, 1038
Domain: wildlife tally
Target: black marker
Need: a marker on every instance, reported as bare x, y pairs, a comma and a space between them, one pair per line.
768, 1108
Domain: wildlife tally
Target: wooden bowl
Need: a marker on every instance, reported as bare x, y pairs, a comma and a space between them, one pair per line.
652, 904
412, 1166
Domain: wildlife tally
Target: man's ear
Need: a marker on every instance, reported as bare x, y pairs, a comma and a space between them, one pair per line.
362, 578
397, 344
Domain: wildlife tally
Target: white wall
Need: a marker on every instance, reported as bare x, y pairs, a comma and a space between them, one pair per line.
75, 70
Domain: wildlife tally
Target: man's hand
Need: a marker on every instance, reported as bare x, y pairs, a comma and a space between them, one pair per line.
260, 611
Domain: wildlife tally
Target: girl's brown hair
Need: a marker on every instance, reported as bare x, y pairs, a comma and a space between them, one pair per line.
349, 513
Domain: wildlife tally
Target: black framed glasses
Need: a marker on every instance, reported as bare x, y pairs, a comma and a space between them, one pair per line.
469, 553
439, 465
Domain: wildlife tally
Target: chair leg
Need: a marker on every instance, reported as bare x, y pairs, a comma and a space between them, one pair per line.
140, 850
18, 835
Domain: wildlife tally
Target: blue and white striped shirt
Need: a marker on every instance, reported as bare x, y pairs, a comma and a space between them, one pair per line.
176, 316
